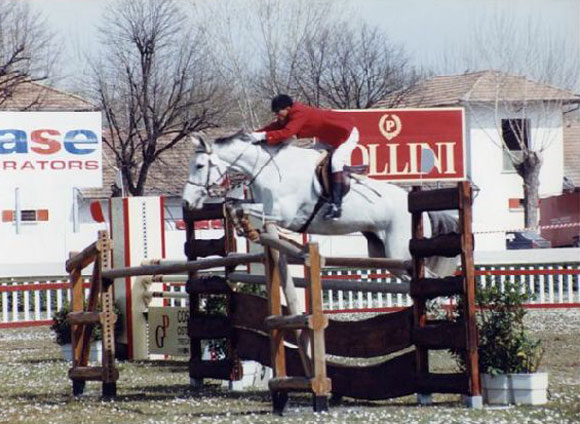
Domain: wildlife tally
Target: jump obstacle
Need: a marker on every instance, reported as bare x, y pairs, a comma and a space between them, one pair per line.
254, 327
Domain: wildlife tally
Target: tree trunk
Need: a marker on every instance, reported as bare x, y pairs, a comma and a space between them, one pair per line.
529, 170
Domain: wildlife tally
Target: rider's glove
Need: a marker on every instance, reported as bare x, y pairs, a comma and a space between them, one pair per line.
258, 136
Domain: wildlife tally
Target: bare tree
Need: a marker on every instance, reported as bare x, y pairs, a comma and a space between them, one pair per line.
350, 68
27, 50
517, 46
155, 86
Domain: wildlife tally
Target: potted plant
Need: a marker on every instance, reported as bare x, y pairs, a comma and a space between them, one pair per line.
62, 332
508, 357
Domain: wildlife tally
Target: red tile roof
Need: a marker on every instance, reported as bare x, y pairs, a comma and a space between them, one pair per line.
484, 86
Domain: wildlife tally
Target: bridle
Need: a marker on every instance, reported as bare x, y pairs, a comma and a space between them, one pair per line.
210, 188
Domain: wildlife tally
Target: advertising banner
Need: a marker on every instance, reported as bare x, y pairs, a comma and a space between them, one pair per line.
51, 148
411, 145
168, 330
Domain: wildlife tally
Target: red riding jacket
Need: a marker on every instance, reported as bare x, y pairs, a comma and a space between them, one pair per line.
303, 121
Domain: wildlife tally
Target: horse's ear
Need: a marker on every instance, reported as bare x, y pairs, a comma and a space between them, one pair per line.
206, 145
201, 146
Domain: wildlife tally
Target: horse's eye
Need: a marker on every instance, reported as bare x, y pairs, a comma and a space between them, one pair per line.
199, 166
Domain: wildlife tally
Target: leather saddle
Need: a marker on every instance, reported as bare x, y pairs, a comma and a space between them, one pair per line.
323, 173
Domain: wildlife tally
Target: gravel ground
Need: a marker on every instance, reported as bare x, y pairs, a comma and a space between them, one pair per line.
35, 388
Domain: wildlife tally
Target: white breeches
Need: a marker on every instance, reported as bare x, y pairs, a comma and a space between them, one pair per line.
341, 155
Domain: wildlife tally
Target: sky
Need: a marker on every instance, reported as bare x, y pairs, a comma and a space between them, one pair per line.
428, 29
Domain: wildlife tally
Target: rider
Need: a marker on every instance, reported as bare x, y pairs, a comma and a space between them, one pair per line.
334, 129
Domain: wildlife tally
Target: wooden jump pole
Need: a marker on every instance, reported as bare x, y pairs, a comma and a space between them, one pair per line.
329, 284
180, 267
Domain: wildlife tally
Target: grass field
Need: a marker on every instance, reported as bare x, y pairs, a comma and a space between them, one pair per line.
34, 388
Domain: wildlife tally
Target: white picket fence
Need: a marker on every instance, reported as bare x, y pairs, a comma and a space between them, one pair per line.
28, 302
550, 285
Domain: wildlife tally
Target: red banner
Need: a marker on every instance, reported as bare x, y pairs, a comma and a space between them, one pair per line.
411, 144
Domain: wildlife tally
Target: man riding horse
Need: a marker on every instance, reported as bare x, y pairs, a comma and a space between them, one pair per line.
334, 129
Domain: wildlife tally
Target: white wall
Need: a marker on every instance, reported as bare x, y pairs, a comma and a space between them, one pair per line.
491, 213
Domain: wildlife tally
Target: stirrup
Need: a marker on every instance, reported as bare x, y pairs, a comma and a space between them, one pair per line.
334, 212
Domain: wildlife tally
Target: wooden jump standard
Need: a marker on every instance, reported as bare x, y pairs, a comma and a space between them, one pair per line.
381, 335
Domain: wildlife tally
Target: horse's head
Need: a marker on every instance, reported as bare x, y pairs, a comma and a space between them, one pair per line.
206, 172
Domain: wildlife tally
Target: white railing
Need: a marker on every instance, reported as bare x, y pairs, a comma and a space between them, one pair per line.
33, 301
551, 285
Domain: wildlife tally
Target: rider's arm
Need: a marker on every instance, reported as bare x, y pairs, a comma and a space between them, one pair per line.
292, 127
274, 125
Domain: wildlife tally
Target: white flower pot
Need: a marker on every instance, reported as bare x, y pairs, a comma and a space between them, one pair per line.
496, 389
529, 389
95, 352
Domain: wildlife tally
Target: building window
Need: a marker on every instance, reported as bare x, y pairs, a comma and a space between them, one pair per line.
515, 134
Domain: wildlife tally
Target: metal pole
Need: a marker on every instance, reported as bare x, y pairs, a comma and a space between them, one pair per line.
17, 209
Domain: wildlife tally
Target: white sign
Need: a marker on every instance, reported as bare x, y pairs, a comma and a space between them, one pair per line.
168, 331
40, 148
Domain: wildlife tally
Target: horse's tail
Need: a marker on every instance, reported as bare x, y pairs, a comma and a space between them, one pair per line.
443, 223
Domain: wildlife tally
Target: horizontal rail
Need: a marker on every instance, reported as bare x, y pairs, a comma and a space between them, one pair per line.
82, 259
328, 284
184, 266
368, 263
283, 246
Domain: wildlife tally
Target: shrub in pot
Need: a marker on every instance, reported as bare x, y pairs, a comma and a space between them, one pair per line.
62, 331
508, 357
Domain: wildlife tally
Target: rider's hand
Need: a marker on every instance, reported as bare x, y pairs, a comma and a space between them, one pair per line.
258, 136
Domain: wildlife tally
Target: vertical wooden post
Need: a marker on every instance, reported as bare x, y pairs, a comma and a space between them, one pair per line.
195, 351
110, 373
321, 384
419, 316
277, 353
76, 285
465, 218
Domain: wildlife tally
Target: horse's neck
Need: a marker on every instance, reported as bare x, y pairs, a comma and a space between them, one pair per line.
277, 169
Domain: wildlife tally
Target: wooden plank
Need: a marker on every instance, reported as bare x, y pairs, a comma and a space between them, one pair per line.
448, 245
392, 378
290, 384
250, 311
77, 296
318, 322
110, 372
206, 247
418, 273
433, 200
440, 336
86, 373
376, 336
467, 264
221, 370
83, 318
82, 259
328, 284
288, 322
368, 263
278, 360
443, 383
209, 211
180, 267
209, 327
208, 285
430, 288
282, 246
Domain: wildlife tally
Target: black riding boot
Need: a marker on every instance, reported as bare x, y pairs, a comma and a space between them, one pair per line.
334, 211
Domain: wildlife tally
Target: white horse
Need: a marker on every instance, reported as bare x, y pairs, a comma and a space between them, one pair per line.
282, 178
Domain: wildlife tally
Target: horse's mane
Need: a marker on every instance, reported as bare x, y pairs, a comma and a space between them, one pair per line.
239, 135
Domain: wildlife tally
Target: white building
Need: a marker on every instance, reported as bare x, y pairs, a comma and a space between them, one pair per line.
495, 103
